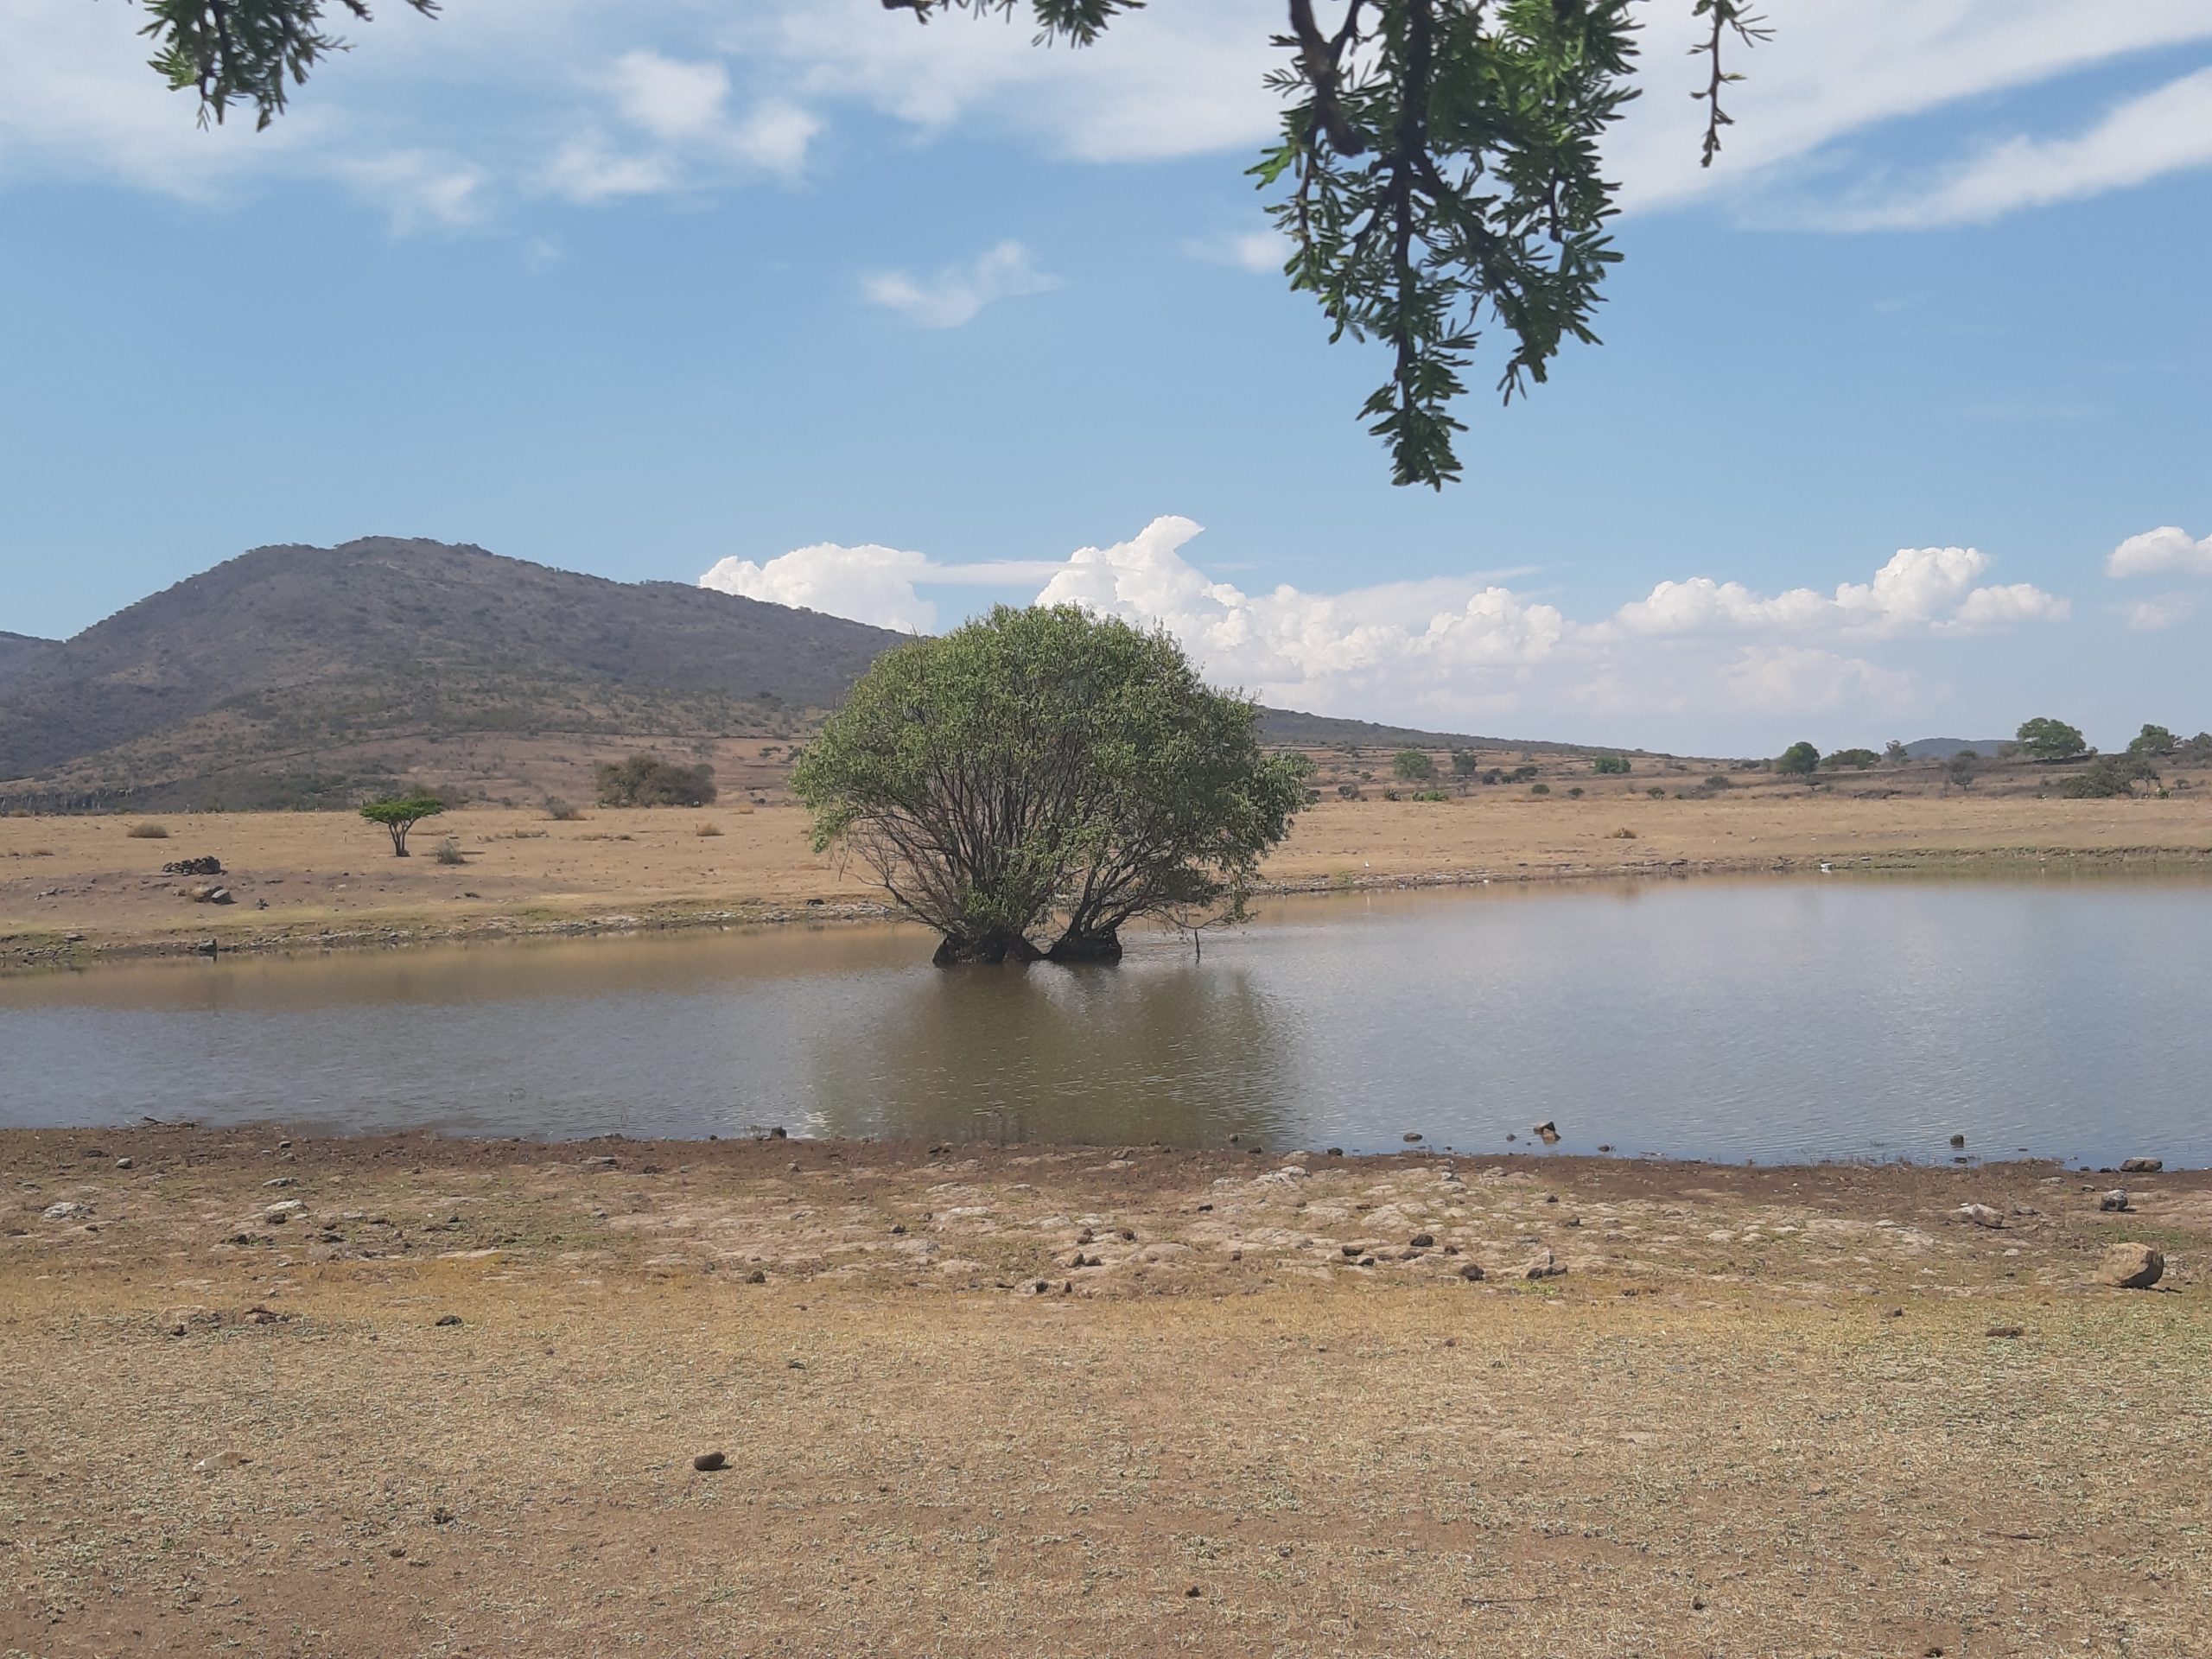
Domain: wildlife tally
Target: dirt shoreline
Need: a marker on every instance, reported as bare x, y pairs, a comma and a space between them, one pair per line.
75, 892
450, 1403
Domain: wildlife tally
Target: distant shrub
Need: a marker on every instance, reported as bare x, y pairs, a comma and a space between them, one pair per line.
1464, 763
1411, 765
1540, 789
2110, 775
1720, 780
148, 832
1615, 765
1347, 791
706, 827
1431, 795
560, 811
449, 852
1798, 761
1854, 759
1622, 834
1657, 792
645, 780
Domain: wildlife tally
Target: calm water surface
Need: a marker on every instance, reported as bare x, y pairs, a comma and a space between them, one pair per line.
1835, 1019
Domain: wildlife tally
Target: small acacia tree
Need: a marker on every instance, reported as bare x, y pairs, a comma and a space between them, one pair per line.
1411, 766
400, 813
1048, 771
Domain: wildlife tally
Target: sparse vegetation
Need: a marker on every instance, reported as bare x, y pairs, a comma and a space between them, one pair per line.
1411, 766
1719, 781
1613, 766
646, 779
2108, 776
148, 832
2154, 740
1624, 834
1851, 761
560, 812
449, 852
1540, 789
706, 827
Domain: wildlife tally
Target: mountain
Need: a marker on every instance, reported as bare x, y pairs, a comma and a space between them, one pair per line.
1942, 748
298, 675
1293, 730
19, 654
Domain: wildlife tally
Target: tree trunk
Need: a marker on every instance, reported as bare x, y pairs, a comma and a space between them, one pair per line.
993, 949
1086, 947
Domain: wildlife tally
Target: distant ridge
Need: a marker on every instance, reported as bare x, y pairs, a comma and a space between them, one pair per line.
295, 676
1942, 748
350, 664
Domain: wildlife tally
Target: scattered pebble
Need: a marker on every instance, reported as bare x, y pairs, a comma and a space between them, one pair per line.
449, 1318
707, 1462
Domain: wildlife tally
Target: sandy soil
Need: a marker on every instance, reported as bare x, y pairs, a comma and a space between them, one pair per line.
450, 1405
329, 879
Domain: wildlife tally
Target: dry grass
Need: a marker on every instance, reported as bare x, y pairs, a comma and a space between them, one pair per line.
327, 878
1761, 1413
148, 832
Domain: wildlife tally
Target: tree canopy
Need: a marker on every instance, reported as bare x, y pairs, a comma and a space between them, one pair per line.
1799, 759
1437, 170
399, 814
2154, 740
2044, 738
1048, 773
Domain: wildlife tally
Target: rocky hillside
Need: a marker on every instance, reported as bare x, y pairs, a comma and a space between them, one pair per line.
19, 654
300, 675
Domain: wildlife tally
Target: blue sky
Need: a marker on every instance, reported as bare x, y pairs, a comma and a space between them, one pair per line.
898, 322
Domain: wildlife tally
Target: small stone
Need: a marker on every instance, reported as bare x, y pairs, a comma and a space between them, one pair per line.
1351, 1250
778, 1134
1958, 1141
449, 1318
1547, 1132
2132, 1267
898, 1230
65, 1211
1697, 1604
1336, 1152
1544, 1266
216, 1462
1471, 1273
756, 1277
2004, 1333
2116, 1199
1980, 1214
125, 1163
1410, 1136
707, 1462
1423, 1242
1572, 1221
2141, 1166
281, 1211
1193, 1591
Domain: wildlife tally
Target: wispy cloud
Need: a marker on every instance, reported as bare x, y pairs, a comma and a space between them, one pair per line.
2163, 131
954, 296
2150, 615
421, 190
1260, 253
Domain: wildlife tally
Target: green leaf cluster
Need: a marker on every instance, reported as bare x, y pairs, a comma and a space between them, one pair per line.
246, 51
2044, 738
399, 814
645, 780
1798, 761
1047, 769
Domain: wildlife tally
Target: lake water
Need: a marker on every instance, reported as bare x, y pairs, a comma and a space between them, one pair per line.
1842, 1017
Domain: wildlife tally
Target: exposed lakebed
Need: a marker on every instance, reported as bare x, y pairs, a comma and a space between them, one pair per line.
1771, 1020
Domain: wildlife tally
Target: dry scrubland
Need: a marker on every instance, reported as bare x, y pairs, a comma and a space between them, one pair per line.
328, 879
451, 1404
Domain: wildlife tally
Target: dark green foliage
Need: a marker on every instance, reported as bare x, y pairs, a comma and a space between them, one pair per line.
1720, 780
1347, 791
400, 813
1851, 761
1798, 761
2109, 775
2154, 740
1048, 768
1540, 789
645, 780
2050, 740
1612, 765
1463, 763
1961, 767
246, 51
1411, 766
1438, 171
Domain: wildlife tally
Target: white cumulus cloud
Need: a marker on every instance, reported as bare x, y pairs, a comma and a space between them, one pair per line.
2167, 550
956, 294
2150, 615
1455, 651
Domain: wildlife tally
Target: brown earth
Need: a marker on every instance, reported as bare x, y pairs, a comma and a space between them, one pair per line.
1762, 1412
319, 880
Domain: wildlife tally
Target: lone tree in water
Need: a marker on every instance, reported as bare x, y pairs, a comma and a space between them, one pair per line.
400, 813
1048, 774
